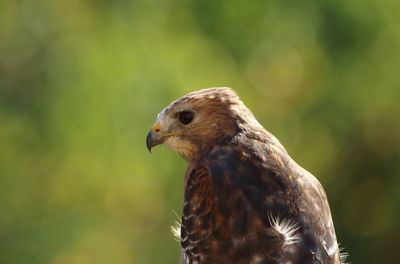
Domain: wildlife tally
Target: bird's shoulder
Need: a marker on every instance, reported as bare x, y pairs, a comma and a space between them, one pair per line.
224, 211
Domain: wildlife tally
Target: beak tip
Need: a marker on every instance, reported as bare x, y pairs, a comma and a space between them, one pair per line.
153, 140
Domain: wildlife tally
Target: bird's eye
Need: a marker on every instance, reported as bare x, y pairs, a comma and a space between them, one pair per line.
185, 117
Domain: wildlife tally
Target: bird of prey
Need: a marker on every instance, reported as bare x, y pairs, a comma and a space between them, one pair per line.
245, 201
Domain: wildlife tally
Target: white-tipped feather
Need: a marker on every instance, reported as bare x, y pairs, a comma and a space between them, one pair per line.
285, 227
176, 230
176, 227
343, 255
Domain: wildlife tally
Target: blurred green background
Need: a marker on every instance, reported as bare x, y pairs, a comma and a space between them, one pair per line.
82, 81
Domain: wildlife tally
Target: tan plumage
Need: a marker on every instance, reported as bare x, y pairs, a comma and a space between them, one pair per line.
246, 200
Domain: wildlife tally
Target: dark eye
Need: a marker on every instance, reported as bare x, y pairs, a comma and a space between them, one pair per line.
185, 117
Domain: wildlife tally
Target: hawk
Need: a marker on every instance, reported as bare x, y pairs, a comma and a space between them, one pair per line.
245, 201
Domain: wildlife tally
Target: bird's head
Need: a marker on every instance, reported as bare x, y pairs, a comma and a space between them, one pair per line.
196, 121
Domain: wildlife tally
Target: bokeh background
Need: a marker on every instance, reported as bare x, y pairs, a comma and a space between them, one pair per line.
81, 82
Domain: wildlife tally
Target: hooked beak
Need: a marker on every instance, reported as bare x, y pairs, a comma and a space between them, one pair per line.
153, 139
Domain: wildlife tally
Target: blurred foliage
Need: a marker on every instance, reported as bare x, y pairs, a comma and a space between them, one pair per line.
82, 81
